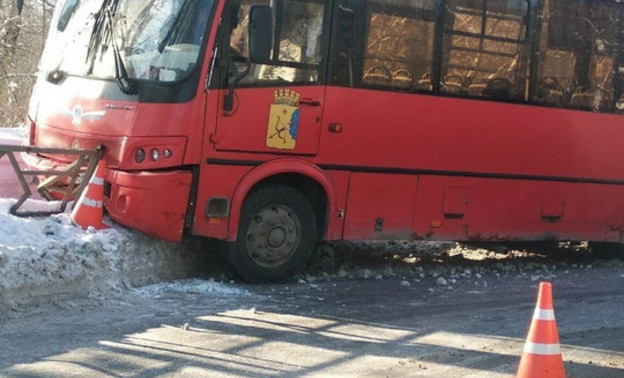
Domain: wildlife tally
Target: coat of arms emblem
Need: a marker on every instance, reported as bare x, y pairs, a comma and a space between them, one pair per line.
283, 120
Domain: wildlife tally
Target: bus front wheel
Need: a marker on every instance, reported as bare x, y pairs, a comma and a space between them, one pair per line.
277, 234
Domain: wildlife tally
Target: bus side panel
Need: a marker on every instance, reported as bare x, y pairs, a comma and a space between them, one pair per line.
216, 182
384, 130
451, 208
336, 220
380, 206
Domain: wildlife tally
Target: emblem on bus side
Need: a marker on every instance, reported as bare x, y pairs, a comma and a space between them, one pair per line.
283, 120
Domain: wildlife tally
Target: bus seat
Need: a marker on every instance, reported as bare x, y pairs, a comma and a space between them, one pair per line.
402, 78
588, 97
477, 86
603, 99
452, 84
425, 83
498, 88
583, 98
551, 92
377, 75
619, 105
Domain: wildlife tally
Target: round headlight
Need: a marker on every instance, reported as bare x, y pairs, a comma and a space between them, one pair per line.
155, 154
140, 155
167, 153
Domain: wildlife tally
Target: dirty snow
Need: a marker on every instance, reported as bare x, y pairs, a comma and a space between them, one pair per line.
42, 251
49, 257
189, 286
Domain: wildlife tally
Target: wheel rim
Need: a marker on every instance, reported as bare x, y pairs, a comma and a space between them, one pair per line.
273, 236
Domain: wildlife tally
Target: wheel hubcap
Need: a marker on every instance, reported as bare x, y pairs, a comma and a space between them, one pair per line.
273, 236
276, 237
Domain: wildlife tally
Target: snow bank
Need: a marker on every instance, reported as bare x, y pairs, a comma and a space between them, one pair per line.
49, 258
43, 252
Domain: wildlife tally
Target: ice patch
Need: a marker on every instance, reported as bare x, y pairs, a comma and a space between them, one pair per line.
189, 286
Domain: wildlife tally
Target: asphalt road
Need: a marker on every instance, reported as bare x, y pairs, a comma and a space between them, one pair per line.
377, 327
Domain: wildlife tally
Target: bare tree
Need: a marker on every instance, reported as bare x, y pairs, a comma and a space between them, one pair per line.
21, 42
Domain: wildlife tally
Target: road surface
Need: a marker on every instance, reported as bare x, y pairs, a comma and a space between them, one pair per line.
419, 325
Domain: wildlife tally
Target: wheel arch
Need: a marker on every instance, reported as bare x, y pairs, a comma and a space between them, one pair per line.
305, 176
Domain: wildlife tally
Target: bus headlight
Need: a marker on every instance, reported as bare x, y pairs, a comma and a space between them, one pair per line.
140, 155
152, 153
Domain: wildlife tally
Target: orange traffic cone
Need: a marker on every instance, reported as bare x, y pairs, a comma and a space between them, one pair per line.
541, 357
89, 207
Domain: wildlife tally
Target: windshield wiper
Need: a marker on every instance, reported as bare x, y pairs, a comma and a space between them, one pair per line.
103, 31
187, 9
96, 36
127, 85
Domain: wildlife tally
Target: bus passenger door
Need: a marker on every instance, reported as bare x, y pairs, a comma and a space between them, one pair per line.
275, 106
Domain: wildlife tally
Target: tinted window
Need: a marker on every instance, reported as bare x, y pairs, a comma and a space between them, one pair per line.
578, 55
399, 44
560, 53
484, 50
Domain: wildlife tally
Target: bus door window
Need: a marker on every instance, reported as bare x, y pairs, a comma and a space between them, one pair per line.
297, 42
296, 52
484, 50
578, 53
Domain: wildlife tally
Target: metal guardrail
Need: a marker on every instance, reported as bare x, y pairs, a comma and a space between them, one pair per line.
73, 172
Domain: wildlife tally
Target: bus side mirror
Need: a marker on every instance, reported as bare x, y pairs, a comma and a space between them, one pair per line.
66, 14
19, 4
260, 33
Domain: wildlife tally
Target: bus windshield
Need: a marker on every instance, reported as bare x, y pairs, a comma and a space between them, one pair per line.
155, 40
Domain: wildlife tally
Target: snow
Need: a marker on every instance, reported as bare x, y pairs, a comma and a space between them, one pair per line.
44, 251
16, 134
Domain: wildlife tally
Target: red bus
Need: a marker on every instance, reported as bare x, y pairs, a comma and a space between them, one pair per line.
277, 124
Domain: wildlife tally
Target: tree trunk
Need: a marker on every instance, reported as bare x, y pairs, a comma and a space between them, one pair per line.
13, 29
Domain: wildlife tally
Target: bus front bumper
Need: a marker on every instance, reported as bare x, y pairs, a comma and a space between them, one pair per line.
154, 203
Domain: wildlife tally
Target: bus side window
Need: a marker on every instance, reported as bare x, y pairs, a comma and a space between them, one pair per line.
399, 44
485, 50
578, 54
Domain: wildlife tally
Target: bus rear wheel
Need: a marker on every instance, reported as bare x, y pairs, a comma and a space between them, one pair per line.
277, 234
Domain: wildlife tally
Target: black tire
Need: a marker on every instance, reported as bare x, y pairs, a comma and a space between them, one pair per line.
277, 234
